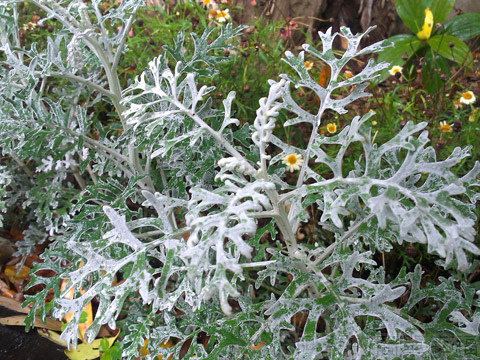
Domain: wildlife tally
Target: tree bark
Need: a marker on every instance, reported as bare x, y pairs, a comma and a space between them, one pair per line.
301, 17
314, 15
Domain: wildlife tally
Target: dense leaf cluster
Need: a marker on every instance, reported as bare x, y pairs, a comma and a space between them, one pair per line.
165, 224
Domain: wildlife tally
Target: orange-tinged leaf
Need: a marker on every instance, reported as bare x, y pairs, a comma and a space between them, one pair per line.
324, 76
167, 344
9, 294
299, 320
258, 346
82, 327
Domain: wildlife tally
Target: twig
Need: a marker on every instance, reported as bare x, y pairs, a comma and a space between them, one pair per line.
22, 165
119, 49
83, 81
345, 236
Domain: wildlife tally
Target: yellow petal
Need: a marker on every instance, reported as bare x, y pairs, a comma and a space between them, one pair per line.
426, 31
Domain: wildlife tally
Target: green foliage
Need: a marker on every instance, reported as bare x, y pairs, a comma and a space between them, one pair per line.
183, 226
444, 42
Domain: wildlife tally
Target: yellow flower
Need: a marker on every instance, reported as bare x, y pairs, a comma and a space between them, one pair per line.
348, 74
374, 123
223, 15
426, 31
395, 69
472, 117
212, 14
467, 98
29, 26
332, 128
444, 127
293, 162
308, 65
206, 2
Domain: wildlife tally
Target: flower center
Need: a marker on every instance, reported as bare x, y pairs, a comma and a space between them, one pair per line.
467, 95
291, 159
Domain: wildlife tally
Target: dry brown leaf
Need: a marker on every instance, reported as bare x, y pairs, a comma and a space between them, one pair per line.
4, 286
13, 305
18, 320
9, 294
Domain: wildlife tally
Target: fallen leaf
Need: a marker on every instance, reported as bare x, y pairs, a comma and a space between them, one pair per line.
16, 233
14, 275
258, 346
88, 351
165, 345
13, 305
18, 320
83, 326
324, 76
3, 286
9, 294
53, 337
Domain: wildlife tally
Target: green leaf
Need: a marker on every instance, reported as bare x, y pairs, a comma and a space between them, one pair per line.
204, 50
441, 9
88, 351
433, 67
83, 317
451, 48
464, 27
412, 13
104, 345
408, 44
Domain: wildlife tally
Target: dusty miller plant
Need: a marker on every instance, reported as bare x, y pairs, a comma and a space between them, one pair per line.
166, 223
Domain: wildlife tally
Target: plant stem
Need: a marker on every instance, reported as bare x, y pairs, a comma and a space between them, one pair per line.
265, 286
120, 46
345, 236
78, 177
217, 136
22, 165
83, 81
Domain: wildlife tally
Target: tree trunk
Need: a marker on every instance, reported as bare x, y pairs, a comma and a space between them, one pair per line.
314, 15
310, 16
464, 6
